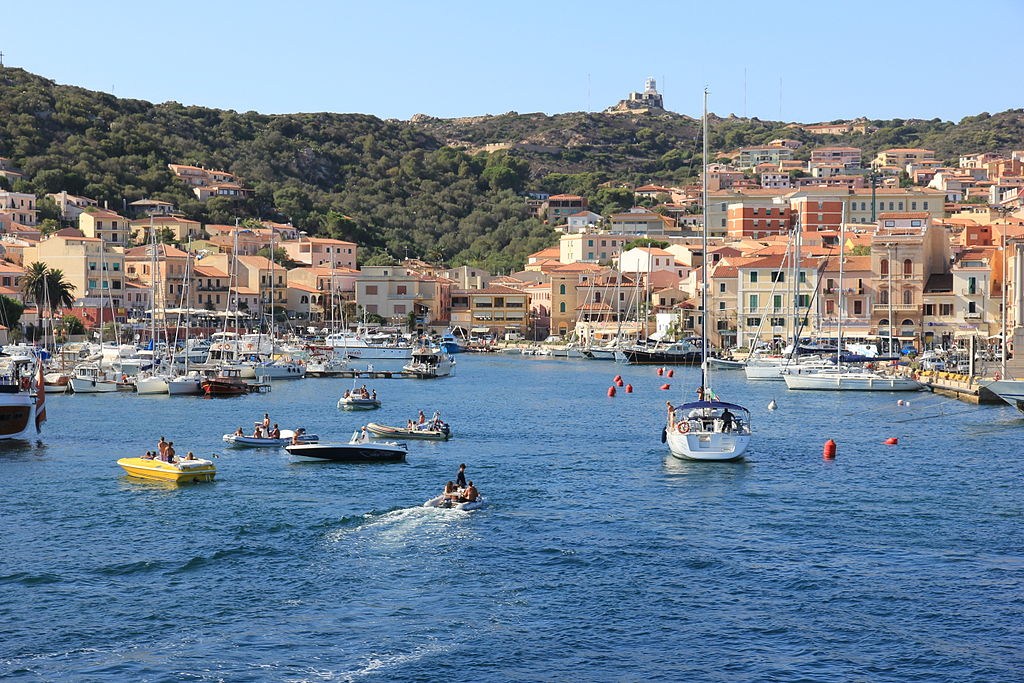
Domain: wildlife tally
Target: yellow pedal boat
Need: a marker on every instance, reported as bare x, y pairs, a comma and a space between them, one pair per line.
182, 472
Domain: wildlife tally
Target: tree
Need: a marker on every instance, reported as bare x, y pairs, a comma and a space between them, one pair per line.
410, 321
47, 287
860, 250
645, 242
72, 324
10, 311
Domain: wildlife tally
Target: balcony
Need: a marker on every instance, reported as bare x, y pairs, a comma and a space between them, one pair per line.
967, 291
896, 308
973, 316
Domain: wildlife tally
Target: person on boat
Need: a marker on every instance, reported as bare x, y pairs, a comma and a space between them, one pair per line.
671, 412
363, 436
161, 447
169, 452
373, 394
700, 393
727, 420
450, 490
275, 433
296, 436
346, 394
470, 494
460, 477
421, 418
266, 422
190, 456
148, 456
239, 432
258, 432
409, 425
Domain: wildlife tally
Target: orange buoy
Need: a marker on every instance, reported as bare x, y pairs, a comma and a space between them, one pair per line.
661, 371
618, 378
671, 373
829, 452
618, 382
629, 388
664, 387
611, 392
892, 441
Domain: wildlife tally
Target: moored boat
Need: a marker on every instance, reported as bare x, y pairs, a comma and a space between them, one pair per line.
182, 471
228, 383
246, 441
440, 432
428, 364
90, 379
357, 452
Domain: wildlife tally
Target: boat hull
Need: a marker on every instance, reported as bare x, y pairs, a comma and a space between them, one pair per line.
855, 382
181, 473
1010, 390
253, 442
151, 385
439, 502
708, 446
213, 387
92, 386
350, 452
179, 387
358, 403
638, 357
17, 411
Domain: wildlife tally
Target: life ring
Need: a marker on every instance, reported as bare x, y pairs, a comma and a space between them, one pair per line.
683, 427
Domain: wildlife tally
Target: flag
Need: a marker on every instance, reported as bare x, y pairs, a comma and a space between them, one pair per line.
40, 398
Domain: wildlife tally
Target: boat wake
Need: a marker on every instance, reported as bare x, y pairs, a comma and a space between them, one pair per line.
396, 527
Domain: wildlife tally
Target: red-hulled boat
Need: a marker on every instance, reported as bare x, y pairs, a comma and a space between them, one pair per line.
228, 383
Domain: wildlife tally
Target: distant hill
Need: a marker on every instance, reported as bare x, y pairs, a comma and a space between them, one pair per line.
439, 189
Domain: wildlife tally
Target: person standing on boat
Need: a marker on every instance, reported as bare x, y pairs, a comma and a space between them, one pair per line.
421, 418
727, 420
161, 447
266, 422
700, 393
460, 478
169, 452
671, 413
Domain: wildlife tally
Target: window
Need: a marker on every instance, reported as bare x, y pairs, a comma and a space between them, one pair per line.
805, 300
915, 224
399, 309
721, 305
753, 276
890, 224
925, 205
778, 322
777, 302
92, 284
901, 206
561, 307
945, 310
858, 307
561, 290
401, 289
721, 287
972, 285
92, 265
883, 296
929, 309
590, 255
753, 322
884, 266
753, 302
913, 206
803, 277
908, 297
371, 290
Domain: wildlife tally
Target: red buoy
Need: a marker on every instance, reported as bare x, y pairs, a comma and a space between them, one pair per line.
629, 388
611, 392
618, 382
829, 452
892, 441
664, 387
671, 373
617, 379
661, 371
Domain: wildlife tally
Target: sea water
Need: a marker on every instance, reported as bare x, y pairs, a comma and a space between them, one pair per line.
598, 557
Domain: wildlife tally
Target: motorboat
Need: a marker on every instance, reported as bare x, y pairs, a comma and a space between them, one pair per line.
599, 352
280, 369
708, 430
246, 441
451, 344
442, 501
429, 364
725, 364
326, 365
1010, 390
228, 382
851, 380
196, 351
353, 451
181, 471
88, 378
353, 402
191, 383
356, 346
431, 431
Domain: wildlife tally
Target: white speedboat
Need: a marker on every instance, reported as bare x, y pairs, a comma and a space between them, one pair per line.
1010, 390
280, 369
725, 364
355, 346
358, 403
448, 503
428, 364
245, 441
88, 378
850, 381
708, 430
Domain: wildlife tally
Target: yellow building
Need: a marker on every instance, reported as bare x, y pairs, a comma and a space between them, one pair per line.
590, 247
901, 156
94, 268
499, 310
106, 225
183, 229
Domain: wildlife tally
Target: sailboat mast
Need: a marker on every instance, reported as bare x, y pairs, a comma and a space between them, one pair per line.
842, 292
704, 250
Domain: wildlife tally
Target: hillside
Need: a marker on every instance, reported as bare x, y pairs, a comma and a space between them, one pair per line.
440, 189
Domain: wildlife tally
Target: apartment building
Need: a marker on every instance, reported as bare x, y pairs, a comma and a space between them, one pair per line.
498, 310
846, 157
18, 207
91, 265
321, 251
899, 157
769, 302
106, 225
757, 217
588, 247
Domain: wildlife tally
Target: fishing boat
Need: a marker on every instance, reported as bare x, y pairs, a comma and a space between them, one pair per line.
228, 383
439, 432
443, 502
56, 382
352, 402
429, 364
707, 429
245, 441
451, 344
181, 472
353, 451
88, 378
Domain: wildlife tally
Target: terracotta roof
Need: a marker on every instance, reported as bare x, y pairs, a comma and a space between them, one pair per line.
912, 214
208, 271
490, 290
302, 287
163, 250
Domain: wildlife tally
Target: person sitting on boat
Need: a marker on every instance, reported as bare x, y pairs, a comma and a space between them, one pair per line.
149, 455
460, 477
346, 394
363, 436
190, 456
296, 436
409, 425
275, 433
258, 432
469, 495
450, 490
727, 420
239, 432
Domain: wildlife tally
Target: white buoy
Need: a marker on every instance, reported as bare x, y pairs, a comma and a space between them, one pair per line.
772, 405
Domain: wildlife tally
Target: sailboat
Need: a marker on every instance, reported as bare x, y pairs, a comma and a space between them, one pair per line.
707, 429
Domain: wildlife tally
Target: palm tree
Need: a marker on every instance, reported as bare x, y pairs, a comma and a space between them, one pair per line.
59, 290
47, 287
34, 283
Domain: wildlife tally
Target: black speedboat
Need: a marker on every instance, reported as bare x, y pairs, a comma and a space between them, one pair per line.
350, 452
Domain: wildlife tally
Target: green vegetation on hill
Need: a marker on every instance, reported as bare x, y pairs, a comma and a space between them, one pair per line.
415, 188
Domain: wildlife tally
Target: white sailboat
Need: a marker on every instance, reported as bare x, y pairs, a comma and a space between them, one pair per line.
706, 429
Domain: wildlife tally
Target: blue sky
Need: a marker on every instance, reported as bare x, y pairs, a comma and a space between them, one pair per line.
394, 59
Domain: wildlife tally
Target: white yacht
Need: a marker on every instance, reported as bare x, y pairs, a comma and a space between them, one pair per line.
846, 379
356, 346
151, 384
1010, 390
428, 364
280, 369
189, 383
88, 378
